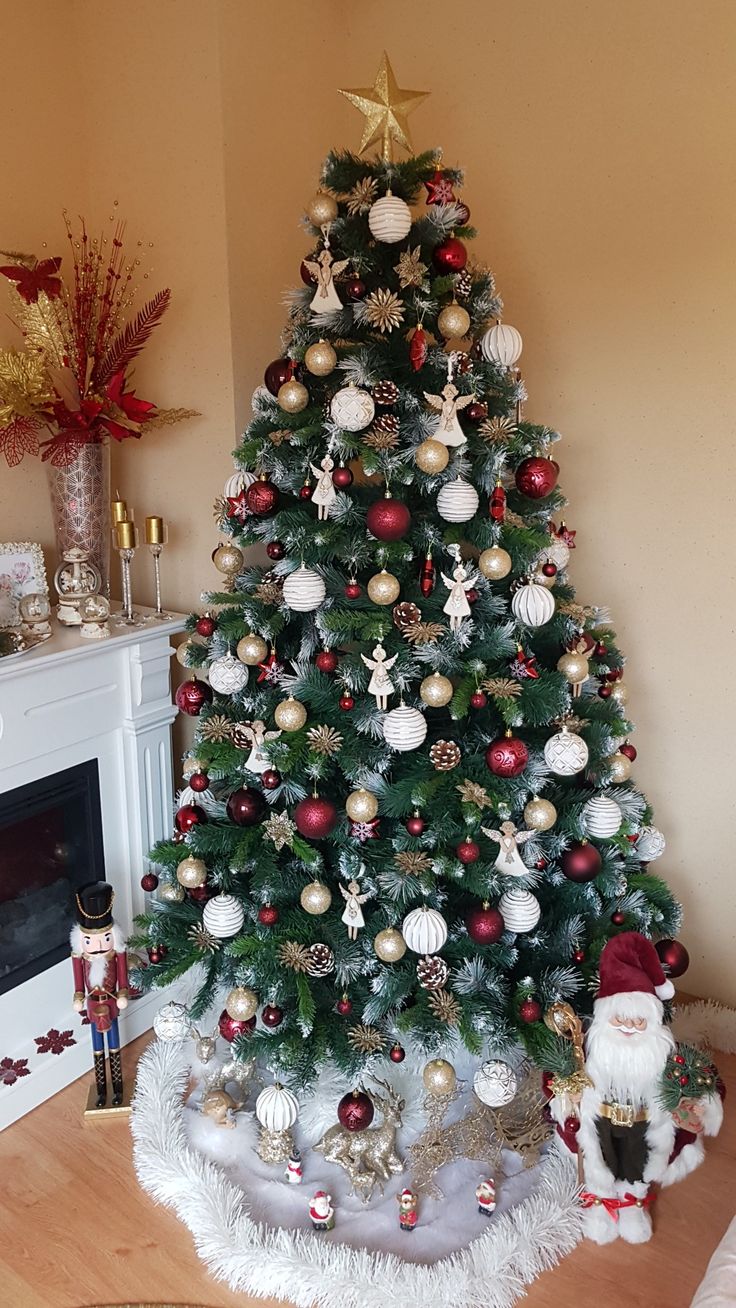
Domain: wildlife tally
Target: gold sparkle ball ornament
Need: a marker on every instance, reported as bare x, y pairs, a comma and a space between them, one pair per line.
454, 321
252, 649
619, 692
540, 814
432, 457
383, 588
292, 396
228, 559
389, 945
192, 764
322, 209
361, 806
290, 714
620, 767
168, 893
386, 108
439, 1077
436, 691
495, 563
315, 898
320, 359
191, 873
241, 1004
574, 667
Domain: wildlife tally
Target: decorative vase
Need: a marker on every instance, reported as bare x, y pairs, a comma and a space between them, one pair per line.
80, 505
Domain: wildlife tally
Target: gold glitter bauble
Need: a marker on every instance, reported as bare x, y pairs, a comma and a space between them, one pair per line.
436, 691
290, 714
252, 649
495, 563
432, 456
168, 893
383, 588
439, 1077
620, 767
619, 692
389, 945
574, 667
191, 765
322, 209
182, 653
539, 814
241, 1004
228, 559
454, 320
292, 396
315, 898
320, 359
191, 873
540, 579
361, 806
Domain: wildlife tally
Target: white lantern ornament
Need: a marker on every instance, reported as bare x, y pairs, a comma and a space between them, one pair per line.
565, 753
389, 219
650, 845
495, 1083
602, 817
457, 501
172, 1023
227, 675
277, 1110
404, 728
424, 930
532, 605
519, 909
502, 344
352, 409
223, 916
304, 590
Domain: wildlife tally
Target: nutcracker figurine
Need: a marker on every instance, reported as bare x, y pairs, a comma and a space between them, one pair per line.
100, 980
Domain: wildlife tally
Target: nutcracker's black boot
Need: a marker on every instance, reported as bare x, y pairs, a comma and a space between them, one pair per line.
116, 1076
100, 1080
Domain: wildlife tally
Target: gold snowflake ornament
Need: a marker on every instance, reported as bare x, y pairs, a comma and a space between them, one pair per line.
280, 829
216, 728
202, 939
366, 1039
497, 431
413, 862
471, 793
294, 956
410, 269
360, 199
501, 687
384, 310
423, 633
381, 440
324, 740
445, 1007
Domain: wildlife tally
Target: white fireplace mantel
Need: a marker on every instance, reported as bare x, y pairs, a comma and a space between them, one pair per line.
64, 702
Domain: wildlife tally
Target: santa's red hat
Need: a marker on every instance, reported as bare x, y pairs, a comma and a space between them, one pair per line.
629, 962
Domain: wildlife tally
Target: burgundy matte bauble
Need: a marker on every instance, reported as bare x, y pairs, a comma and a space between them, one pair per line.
673, 956
199, 781
305, 492
307, 277
149, 882
272, 1015
262, 498
451, 256
388, 519
230, 1027
346, 702
615, 674
549, 569
355, 1111
315, 817
604, 691
628, 750
342, 478
472, 595
268, 915
191, 697
246, 806
353, 590
344, 1006
278, 372
478, 699
415, 825
270, 779
507, 756
477, 411
467, 851
581, 862
530, 1011
485, 925
326, 660
397, 1053
355, 288
579, 956
601, 650
536, 477
200, 894
205, 625
155, 954
188, 816
275, 550
618, 918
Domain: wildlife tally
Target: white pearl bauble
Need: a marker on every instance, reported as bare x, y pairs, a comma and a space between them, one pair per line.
565, 753
172, 1023
304, 590
277, 1108
602, 817
352, 409
519, 909
389, 219
424, 930
227, 675
223, 916
457, 501
532, 605
495, 1083
404, 728
502, 344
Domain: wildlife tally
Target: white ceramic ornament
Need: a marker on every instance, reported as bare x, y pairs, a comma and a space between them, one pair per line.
238, 482
172, 1023
502, 344
424, 930
495, 1083
556, 552
457, 501
532, 605
304, 590
519, 909
602, 817
650, 845
352, 409
227, 675
565, 753
404, 728
277, 1108
389, 219
223, 916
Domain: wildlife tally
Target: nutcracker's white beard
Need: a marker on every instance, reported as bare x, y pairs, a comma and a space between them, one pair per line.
627, 1068
97, 962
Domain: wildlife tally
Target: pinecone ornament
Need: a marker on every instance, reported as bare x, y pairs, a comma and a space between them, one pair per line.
385, 393
321, 960
406, 615
432, 972
241, 737
463, 285
388, 423
445, 755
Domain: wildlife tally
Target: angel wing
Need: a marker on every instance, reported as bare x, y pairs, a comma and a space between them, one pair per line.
521, 836
369, 663
389, 663
362, 898
337, 267
463, 401
492, 835
314, 267
449, 581
345, 893
469, 584
318, 472
436, 401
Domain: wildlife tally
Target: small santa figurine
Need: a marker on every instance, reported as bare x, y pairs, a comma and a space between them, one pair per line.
407, 1201
486, 1195
294, 1168
321, 1211
100, 971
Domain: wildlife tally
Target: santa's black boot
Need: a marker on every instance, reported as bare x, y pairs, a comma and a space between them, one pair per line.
116, 1075
100, 1080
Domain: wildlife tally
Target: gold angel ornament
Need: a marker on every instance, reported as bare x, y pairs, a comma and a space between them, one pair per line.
509, 861
326, 269
447, 405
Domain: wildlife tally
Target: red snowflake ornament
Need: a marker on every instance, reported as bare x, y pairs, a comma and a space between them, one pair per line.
11, 1069
237, 507
271, 669
564, 534
524, 665
54, 1042
439, 188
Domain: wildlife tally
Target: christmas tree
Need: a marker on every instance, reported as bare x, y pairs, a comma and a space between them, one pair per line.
409, 815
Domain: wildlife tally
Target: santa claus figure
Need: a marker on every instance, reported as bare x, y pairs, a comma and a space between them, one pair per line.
408, 1215
485, 1194
100, 981
321, 1212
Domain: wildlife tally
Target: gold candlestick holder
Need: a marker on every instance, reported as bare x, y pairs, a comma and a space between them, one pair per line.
155, 540
126, 544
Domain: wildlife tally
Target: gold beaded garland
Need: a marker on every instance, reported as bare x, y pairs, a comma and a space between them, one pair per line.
540, 814
383, 588
290, 714
389, 945
320, 359
439, 1077
495, 563
252, 649
191, 873
453, 321
436, 691
361, 806
315, 898
322, 209
432, 456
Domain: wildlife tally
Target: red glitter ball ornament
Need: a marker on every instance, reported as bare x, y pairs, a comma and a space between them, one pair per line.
536, 477
530, 1011
246, 806
579, 956
270, 779
415, 825
618, 918
205, 625
628, 750
191, 697
230, 1027
315, 817
355, 288
673, 956
451, 256
581, 862
149, 882
355, 1111
549, 569
326, 660
278, 372
199, 781
342, 478
472, 595
397, 1053
346, 702
485, 925
601, 650
353, 590
188, 816
477, 411
388, 519
478, 699
468, 852
272, 1015
262, 498
305, 491
275, 550
155, 954
507, 756
344, 1006
268, 915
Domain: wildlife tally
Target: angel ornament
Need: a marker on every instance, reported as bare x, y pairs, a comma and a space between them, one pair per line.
324, 493
256, 732
509, 861
448, 404
458, 584
353, 916
380, 683
325, 269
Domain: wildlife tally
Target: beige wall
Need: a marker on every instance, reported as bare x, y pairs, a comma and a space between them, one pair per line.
598, 142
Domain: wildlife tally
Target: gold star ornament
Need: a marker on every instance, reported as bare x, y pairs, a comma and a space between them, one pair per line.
385, 107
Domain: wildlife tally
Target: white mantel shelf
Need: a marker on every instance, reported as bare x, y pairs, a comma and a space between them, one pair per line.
66, 643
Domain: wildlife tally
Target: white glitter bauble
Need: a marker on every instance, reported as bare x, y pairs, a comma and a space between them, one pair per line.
650, 845
238, 482
495, 1083
424, 930
304, 590
352, 409
565, 753
389, 219
602, 817
277, 1108
172, 1023
227, 675
457, 501
502, 344
223, 916
519, 909
404, 728
532, 605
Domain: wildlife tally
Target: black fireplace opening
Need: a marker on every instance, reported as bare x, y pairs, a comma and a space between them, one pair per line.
50, 845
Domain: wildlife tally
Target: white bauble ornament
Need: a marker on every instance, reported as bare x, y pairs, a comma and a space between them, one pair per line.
304, 590
238, 482
424, 930
172, 1023
565, 753
495, 1083
650, 845
533, 605
457, 501
389, 219
352, 409
223, 916
602, 817
519, 909
502, 344
277, 1108
227, 675
404, 728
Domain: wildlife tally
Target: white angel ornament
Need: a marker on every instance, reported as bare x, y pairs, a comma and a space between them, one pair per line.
380, 683
509, 860
448, 429
256, 732
458, 584
324, 493
353, 916
325, 269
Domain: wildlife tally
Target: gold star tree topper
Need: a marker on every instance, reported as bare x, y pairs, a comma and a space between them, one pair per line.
385, 107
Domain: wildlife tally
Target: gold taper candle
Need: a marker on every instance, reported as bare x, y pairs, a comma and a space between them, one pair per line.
119, 510
125, 532
154, 531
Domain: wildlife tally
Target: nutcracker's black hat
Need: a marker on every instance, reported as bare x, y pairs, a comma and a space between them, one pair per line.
94, 906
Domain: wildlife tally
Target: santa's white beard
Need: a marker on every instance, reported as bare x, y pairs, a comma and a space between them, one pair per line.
627, 1068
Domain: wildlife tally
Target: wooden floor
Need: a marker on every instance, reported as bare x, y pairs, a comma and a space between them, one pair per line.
76, 1230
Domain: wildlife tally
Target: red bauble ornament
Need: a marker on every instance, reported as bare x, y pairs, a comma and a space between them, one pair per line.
199, 781
451, 256
472, 595
230, 1027
468, 852
536, 477
628, 750
549, 569
191, 697
305, 491
355, 288
201, 893
155, 954
497, 504
601, 650
604, 691
353, 590
673, 956
507, 756
568, 1132
397, 1053
463, 213
268, 915
278, 372
485, 925
149, 881
418, 348
272, 1015
326, 660
388, 519
189, 815
205, 625
415, 825
581, 862
427, 576
344, 1006
315, 817
618, 918
246, 806
262, 498
346, 702
477, 411
307, 277
342, 478
541, 863
579, 956
478, 699
355, 1111
530, 1011
615, 674
270, 779
275, 550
